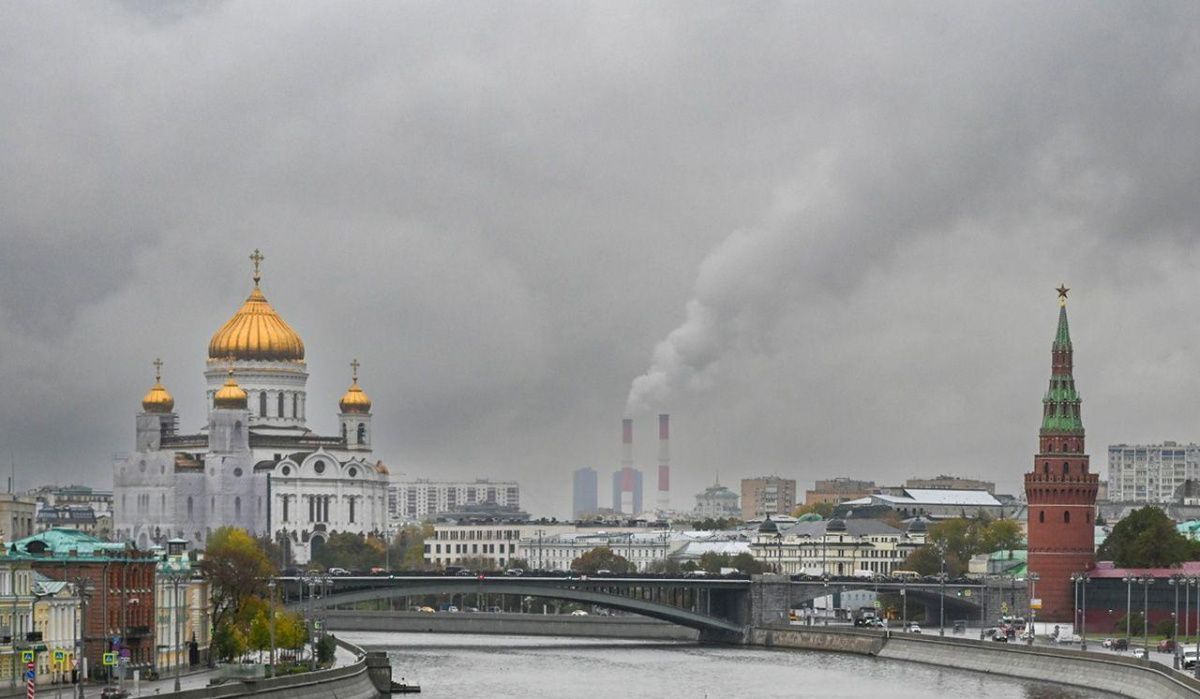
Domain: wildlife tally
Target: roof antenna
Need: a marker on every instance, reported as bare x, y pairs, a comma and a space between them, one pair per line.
12, 480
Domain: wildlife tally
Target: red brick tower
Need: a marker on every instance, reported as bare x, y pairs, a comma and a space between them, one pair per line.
1060, 490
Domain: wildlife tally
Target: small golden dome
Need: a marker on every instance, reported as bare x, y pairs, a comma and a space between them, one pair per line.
158, 400
231, 396
381, 469
355, 400
256, 331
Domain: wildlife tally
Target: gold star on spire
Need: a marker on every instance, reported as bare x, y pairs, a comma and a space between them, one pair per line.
256, 257
1062, 294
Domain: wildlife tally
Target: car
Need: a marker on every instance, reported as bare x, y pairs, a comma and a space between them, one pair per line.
1138, 653
1189, 659
427, 610
1000, 637
1067, 639
113, 692
464, 573
912, 628
1107, 643
1119, 644
579, 612
514, 572
1167, 645
338, 571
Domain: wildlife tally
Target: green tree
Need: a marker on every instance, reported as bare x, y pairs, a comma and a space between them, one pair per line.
407, 550
1002, 535
350, 551
326, 647
237, 570
665, 566
825, 509
1146, 538
747, 563
601, 558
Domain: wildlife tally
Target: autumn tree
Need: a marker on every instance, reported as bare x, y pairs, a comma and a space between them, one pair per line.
1146, 538
407, 550
237, 570
601, 558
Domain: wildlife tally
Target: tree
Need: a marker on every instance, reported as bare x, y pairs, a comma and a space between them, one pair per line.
1002, 535
407, 551
601, 558
958, 540
350, 551
825, 509
237, 571
665, 566
1146, 538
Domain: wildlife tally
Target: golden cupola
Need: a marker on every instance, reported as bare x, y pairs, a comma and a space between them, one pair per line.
256, 331
355, 399
157, 399
231, 396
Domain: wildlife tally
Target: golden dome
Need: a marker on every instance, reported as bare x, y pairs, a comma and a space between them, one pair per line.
158, 400
355, 400
231, 396
256, 331
381, 469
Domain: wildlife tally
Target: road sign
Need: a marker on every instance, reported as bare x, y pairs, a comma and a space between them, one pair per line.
126, 653
317, 625
60, 655
1004, 607
110, 659
29, 674
27, 656
878, 604
1035, 603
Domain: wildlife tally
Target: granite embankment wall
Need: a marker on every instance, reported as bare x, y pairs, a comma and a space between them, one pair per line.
509, 624
1138, 679
347, 682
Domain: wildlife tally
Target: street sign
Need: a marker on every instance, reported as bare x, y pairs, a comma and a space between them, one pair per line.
317, 625
1004, 607
27, 656
29, 674
126, 653
877, 604
60, 655
966, 593
110, 659
1035, 603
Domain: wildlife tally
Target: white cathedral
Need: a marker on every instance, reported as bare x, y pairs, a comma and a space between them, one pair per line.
255, 464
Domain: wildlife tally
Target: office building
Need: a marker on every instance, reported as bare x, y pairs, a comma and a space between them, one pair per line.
584, 494
767, 495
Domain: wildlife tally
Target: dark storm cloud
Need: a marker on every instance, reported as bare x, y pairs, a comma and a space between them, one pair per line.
839, 226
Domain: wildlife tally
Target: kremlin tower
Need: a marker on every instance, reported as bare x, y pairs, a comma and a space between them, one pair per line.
1061, 492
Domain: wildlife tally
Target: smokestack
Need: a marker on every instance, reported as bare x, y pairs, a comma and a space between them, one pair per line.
627, 443
664, 462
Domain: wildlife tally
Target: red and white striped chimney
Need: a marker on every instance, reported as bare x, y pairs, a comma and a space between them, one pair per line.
664, 462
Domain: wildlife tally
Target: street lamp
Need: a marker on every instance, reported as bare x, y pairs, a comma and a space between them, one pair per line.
1128, 580
1146, 581
271, 604
942, 601
1176, 581
1033, 579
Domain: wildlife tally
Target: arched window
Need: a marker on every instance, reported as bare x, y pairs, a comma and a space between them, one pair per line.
189, 508
237, 508
343, 431
262, 404
1066, 468
1042, 516
280, 401
1046, 468
362, 433
1066, 517
295, 405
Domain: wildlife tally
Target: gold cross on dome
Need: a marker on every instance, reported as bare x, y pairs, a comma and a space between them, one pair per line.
354, 365
256, 257
1062, 294
158, 365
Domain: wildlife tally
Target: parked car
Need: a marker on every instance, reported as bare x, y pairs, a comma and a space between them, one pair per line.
1000, 637
913, 628
1107, 643
579, 612
338, 571
494, 610
1138, 653
113, 692
1189, 659
1119, 644
1167, 645
427, 610
515, 572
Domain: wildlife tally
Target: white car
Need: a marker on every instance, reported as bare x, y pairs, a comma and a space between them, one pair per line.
1189, 659
913, 628
1138, 653
579, 612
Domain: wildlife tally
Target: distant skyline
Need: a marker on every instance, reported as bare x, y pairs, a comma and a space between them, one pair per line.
824, 238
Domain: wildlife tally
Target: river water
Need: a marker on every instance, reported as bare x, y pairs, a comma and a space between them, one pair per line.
458, 665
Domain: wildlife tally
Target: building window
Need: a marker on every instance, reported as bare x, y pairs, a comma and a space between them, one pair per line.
1066, 468
1066, 517
284, 500
189, 508
280, 406
362, 433
262, 404
1042, 516
237, 508
351, 510
295, 405
319, 466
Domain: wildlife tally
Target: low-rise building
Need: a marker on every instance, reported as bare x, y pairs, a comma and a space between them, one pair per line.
936, 503
17, 631
836, 546
944, 482
717, 502
640, 547
118, 583
56, 628
100, 501
16, 516
836, 490
491, 544
80, 517
181, 614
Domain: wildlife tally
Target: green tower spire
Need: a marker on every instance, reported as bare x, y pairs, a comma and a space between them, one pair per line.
1060, 406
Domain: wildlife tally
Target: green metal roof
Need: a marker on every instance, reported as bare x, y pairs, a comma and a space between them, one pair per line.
69, 544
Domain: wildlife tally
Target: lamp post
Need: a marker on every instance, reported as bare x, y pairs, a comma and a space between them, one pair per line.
942, 601
1128, 580
1033, 579
1175, 581
271, 587
1083, 617
1147, 581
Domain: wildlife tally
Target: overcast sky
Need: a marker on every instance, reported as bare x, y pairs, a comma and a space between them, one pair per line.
827, 235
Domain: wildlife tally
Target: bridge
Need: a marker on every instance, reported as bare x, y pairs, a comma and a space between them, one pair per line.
721, 609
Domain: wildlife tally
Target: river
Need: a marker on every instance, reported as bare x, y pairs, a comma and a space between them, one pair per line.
457, 665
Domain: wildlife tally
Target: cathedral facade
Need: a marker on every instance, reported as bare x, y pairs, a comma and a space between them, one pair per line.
254, 464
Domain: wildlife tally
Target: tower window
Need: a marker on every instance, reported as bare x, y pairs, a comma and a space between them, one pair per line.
362, 433
190, 507
295, 405
262, 404
237, 508
1088, 517
1066, 468
1042, 516
1066, 517
280, 401
1046, 468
